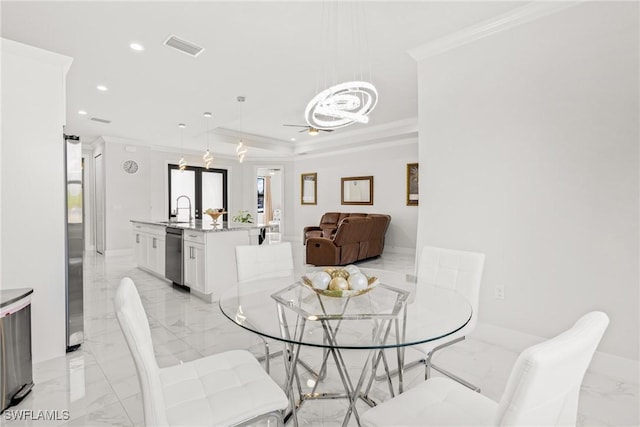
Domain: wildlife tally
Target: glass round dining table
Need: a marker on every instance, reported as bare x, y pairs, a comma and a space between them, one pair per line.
399, 311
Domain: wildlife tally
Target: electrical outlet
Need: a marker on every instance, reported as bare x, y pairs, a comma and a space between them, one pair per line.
498, 292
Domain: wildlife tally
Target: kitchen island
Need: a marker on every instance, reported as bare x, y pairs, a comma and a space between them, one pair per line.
197, 255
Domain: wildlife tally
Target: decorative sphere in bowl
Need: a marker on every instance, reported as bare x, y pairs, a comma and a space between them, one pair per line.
338, 284
321, 280
352, 269
358, 282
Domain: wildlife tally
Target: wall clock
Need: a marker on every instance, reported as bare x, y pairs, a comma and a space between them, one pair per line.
130, 166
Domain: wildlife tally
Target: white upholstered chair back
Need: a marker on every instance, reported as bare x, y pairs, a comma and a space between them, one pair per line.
544, 385
453, 269
135, 327
259, 262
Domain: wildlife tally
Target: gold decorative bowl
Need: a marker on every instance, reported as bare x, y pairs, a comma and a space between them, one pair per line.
373, 282
215, 215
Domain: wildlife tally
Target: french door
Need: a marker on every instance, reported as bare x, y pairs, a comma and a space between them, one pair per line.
205, 188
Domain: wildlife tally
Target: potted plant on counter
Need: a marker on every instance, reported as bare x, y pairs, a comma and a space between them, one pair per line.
243, 216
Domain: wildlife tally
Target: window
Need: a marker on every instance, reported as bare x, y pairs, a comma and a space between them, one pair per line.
205, 188
260, 194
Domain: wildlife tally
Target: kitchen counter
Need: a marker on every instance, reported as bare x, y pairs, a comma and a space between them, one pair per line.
204, 225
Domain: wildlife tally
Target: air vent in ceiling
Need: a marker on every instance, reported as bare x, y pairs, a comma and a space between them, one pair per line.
98, 119
183, 46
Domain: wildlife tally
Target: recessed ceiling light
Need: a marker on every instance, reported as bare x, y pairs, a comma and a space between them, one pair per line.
137, 47
293, 139
82, 112
102, 88
208, 115
182, 125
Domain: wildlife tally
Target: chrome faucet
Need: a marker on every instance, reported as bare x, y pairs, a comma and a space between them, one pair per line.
178, 206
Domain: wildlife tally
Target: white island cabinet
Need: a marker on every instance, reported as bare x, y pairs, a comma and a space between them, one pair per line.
209, 260
149, 247
208, 253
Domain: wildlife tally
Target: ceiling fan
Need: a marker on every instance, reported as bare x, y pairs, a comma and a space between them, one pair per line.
310, 129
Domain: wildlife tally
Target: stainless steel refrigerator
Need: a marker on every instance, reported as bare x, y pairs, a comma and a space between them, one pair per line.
74, 242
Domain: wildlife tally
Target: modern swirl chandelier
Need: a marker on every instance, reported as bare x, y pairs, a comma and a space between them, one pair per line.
342, 104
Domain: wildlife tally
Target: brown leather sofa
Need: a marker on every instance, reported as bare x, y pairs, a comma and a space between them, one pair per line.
357, 237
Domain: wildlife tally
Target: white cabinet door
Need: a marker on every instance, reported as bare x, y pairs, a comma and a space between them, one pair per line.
154, 254
194, 266
160, 255
136, 247
141, 249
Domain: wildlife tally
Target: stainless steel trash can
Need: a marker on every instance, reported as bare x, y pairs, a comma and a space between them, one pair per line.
16, 371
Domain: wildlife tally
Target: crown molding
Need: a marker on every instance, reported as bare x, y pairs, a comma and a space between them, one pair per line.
25, 50
371, 145
363, 137
506, 21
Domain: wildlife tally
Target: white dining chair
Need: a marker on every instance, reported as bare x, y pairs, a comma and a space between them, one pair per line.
542, 390
224, 389
255, 263
452, 269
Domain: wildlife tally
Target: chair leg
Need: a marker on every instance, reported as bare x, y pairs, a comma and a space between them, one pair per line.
267, 364
268, 356
429, 364
394, 372
455, 378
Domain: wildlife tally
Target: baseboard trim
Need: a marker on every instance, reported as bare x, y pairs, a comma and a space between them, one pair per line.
399, 250
617, 367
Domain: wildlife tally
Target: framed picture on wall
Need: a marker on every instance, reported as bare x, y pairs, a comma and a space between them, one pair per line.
308, 189
357, 190
412, 184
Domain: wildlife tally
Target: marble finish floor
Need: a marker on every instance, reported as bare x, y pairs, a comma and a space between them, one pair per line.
98, 384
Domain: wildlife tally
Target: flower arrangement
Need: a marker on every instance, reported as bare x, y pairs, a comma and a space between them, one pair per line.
243, 216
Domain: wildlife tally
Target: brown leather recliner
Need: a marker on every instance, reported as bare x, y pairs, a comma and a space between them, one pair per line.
375, 245
356, 238
328, 225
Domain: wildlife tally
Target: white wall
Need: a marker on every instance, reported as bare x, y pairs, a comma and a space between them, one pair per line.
529, 153
127, 195
33, 188
387, 164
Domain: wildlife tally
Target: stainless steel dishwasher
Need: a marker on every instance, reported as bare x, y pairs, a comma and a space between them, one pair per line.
173, 256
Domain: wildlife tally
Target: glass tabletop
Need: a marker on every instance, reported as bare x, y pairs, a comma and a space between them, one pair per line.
431, 312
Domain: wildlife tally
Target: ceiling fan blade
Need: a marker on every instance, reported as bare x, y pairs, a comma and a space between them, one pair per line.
298, 126
326, 130
303, 130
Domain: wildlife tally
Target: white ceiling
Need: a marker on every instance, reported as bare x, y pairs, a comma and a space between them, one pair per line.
270, 52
